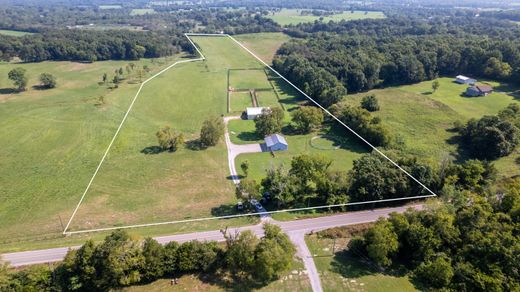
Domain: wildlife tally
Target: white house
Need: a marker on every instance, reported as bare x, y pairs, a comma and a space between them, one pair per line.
276, 142
465, 80
253, 112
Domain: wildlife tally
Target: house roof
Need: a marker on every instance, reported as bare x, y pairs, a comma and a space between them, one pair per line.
255, 110
462, 77
484, 88
274, 139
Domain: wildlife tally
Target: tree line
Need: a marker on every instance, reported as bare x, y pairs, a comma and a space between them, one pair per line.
122, 260
89, 46
361, 55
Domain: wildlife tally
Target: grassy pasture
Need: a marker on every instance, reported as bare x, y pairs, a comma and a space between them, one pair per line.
267, 98
264, 44
340, 271
15, 33
133, 187
52, 141
451, 94
293, 16
424, 119
248, 79
239, 101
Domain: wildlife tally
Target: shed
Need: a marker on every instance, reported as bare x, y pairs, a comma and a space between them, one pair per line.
465, 80
276, 142
253, 112
479, 90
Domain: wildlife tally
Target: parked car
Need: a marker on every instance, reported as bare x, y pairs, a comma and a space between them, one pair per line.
240, 206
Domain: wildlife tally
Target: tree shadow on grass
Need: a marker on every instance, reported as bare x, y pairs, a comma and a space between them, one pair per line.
40, 87
249, 136
8, 91
224, 210
348, 265
150, 150
195, 145
230, 283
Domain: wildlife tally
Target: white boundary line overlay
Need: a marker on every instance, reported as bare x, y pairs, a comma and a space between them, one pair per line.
202, 58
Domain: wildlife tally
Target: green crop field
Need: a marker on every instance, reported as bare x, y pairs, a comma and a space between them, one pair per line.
264, 44
293, 16
14, 32
53, 139
424, 119
340, 271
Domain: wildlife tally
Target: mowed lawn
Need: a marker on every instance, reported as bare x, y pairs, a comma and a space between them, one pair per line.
248, 79
51, 141
293, 16
340, 271
133, 187
264, 44
424, 119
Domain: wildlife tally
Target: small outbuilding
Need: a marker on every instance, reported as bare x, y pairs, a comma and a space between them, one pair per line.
276, 142
465, 80
253, 112
479, 90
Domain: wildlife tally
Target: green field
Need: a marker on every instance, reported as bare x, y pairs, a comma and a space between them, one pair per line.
15, 33
53, 139
142, 11
264, 44
133, 187
267, 98
102, 7
293, 16
240, 101
340, 271
424, 119
248, 79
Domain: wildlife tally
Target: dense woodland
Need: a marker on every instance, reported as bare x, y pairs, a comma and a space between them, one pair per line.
162, 35
363, 55
469, 243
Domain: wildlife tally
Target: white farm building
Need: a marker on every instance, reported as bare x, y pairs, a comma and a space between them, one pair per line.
465, 80
253, 112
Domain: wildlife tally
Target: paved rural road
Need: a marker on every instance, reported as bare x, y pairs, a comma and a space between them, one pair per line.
234, 150
295, 229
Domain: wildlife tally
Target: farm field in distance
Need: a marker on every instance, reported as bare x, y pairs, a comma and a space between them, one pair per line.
14, 32
293, 16
264, 44
424, 119
53, 139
